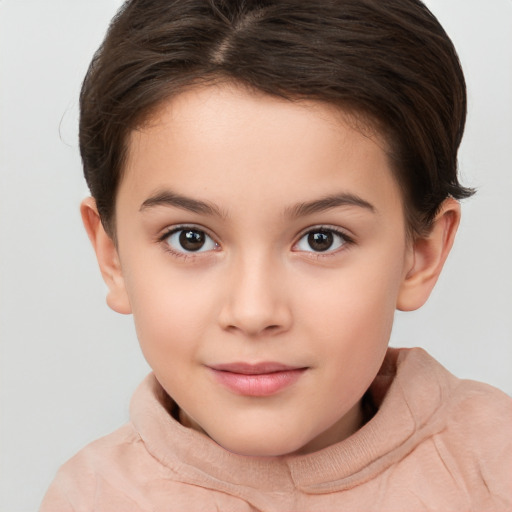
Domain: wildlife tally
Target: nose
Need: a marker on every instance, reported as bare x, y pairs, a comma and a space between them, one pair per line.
255, 302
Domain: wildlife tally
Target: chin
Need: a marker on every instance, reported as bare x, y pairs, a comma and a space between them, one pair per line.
263, 447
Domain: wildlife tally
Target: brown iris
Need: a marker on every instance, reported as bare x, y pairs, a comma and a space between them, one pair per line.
320, 240
192, 240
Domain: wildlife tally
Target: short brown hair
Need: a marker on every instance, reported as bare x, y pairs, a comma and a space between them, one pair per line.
388, 60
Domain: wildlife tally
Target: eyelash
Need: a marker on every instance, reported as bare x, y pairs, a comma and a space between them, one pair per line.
347, 241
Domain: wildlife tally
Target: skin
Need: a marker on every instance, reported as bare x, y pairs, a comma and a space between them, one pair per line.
252, 172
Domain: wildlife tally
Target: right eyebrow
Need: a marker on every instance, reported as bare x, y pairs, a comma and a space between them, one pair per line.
172, 199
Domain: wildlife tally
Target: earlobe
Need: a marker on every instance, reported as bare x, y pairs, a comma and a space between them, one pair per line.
107, 256
428, 256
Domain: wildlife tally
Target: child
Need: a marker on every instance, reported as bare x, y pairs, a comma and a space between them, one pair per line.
270, 180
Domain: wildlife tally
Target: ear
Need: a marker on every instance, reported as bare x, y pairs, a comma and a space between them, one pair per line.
107, 256
428, 255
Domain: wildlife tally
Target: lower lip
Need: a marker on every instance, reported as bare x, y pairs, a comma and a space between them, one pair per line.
265, 384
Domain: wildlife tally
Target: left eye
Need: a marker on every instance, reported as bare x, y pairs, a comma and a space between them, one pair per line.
190, 240
321, 240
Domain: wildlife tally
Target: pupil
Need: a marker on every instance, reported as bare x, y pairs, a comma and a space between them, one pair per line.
320, 240
191, 240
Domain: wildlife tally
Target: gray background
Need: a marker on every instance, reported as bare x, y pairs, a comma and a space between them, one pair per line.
68, 364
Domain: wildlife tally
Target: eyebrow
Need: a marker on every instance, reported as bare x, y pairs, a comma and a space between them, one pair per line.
328, 202
169, 198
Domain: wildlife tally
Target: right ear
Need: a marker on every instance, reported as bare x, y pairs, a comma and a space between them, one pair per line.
107, 256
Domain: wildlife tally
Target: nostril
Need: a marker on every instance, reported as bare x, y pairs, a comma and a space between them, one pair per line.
268, 329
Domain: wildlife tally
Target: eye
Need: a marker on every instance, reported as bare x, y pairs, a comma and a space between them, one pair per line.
186, 240
321, 240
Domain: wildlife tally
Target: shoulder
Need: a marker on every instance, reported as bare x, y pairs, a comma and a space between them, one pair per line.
489, 407
476, 442
481, 414
117, 473
480, 417
462, 428
474, 407
104, 452
99, 465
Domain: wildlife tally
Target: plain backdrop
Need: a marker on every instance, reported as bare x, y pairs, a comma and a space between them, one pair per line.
68, 364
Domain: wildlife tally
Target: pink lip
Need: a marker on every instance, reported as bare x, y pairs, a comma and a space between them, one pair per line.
263, 379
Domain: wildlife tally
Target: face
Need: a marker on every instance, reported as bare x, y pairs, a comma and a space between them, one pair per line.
262, 248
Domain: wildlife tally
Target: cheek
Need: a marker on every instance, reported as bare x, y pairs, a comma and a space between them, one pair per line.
171, 311
361, 297
351, 314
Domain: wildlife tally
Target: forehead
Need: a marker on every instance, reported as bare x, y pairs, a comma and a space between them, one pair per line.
218, 141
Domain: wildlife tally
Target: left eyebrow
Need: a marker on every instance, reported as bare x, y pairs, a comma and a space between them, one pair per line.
328, 202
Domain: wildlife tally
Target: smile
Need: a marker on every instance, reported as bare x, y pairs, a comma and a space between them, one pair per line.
264, 379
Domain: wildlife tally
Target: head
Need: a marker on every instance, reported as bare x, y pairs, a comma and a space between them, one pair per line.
270, 181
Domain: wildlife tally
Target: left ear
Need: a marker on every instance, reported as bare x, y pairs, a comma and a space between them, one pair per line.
428, 256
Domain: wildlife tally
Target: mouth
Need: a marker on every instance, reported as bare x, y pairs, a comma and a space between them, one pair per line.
262, 379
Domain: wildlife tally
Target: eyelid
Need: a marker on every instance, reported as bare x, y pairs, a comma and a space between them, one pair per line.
173, 228
327, 227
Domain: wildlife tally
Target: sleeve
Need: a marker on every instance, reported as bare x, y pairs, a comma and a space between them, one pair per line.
484, 447
55, 500
97, 478
74, 489
495, 459
82, 486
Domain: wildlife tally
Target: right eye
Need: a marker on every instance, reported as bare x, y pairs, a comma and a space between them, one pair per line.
189, 240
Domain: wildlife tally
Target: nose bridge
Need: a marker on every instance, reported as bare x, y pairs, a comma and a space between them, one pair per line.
256, 301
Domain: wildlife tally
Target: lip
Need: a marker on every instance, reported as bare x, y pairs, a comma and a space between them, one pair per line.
261, 379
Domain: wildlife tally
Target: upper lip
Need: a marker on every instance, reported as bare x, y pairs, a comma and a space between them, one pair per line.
254, 369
